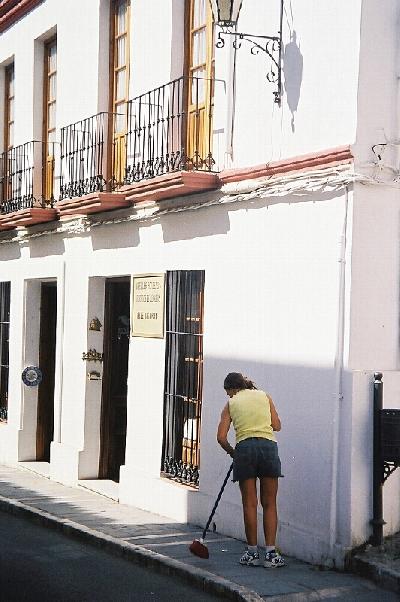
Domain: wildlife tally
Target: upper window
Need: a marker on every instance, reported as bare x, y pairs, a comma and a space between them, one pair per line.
9, 108
119, 80
49, 115
199, 61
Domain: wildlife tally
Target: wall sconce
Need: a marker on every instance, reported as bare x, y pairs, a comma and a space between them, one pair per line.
226, 14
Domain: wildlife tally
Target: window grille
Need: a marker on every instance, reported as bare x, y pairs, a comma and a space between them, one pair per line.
4, 347
183, 376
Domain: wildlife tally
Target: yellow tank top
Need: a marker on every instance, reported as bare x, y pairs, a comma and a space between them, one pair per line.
251, 415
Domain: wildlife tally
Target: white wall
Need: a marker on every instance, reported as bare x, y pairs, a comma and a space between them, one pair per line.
271, 311
313, 114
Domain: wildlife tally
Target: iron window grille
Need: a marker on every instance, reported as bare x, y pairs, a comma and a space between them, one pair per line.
183, 376
4, 347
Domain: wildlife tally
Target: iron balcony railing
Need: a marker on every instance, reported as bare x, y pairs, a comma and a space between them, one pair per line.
164, 130
83, 157
170, 129
27, 176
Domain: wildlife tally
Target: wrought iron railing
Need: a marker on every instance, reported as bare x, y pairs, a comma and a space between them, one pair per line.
83, 158
164, 130
26, 177
170, 129
183, 376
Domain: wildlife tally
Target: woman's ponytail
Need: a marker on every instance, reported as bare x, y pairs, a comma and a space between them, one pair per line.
236, 380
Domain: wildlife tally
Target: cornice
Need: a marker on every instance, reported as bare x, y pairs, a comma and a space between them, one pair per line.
12, 10
317, 160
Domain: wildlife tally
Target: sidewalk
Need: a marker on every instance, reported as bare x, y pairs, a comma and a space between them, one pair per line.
162, 544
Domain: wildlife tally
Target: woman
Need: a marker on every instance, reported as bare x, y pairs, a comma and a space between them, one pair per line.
254, 418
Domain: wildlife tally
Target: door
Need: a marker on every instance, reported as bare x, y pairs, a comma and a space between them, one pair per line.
115, 375
200, 72
49, 117
119, 78
47, 362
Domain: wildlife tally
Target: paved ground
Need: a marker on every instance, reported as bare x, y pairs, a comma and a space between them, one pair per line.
39, 565
162, 544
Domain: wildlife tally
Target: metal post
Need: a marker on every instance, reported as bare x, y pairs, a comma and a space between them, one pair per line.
377, 521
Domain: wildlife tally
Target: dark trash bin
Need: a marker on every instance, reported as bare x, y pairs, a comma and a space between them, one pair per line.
390, 435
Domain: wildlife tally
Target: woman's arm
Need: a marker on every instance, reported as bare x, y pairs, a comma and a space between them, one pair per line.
275, 420
223, 429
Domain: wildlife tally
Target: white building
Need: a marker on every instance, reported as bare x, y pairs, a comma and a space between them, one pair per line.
132, 146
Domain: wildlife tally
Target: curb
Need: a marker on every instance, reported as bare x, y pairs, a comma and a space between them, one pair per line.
199, 578
376, 572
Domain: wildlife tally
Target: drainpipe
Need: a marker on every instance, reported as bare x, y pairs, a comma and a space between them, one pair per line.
338, 379
230, 106
59, 361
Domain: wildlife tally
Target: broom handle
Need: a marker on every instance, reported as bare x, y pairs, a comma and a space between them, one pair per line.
217, 502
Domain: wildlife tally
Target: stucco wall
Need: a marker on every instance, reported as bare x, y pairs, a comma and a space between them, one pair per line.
272, 289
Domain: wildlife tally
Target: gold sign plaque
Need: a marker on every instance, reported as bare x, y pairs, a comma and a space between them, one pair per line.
148, 305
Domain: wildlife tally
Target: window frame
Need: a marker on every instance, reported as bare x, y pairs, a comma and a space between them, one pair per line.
48, 157
9, 76
183, 376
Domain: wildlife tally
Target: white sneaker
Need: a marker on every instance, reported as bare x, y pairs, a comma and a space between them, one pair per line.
250, 559
273, 560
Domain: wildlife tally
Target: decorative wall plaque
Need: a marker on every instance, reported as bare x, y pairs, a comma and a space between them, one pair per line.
148, 305
95, 324
93, 375
92, 356
32, 376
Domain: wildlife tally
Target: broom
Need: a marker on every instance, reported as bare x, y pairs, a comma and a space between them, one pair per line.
198, 547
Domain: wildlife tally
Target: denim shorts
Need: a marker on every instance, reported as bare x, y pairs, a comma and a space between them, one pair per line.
256, 457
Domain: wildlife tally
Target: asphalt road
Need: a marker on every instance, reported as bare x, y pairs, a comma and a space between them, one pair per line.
40, 564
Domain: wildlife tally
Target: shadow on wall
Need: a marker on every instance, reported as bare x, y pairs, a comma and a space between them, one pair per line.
46, 246
304, 397
115, 236
293, 72
9, 251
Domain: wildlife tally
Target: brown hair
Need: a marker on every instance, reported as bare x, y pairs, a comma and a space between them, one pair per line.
236, 380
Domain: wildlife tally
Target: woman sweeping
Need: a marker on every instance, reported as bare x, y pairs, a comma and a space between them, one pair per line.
254, 418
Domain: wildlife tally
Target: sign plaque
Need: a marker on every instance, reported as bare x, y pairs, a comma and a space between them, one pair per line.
148, 305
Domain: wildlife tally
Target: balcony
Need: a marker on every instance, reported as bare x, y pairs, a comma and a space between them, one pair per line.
26, 185
159, 147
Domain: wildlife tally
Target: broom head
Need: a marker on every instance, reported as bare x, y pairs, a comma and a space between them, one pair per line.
199, 548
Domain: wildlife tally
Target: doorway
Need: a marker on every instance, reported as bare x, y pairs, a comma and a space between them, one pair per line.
47, 362
115, 377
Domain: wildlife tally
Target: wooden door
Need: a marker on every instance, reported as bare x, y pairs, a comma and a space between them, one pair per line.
199, 92
119, 76
49, 117
47, 362
115, 375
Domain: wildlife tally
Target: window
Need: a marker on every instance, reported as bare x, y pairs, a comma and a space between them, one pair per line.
4, 347
49, 115
119, 78
200, 71
183, 376
9, 108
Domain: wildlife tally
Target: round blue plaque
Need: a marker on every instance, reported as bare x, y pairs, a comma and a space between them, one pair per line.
32, 376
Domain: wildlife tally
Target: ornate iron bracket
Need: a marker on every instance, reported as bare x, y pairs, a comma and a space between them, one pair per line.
270, 45
388, 469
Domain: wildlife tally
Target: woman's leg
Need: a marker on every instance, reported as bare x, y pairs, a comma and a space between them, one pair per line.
268, 492
248, 490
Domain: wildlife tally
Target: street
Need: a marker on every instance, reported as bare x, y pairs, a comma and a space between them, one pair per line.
41, 564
